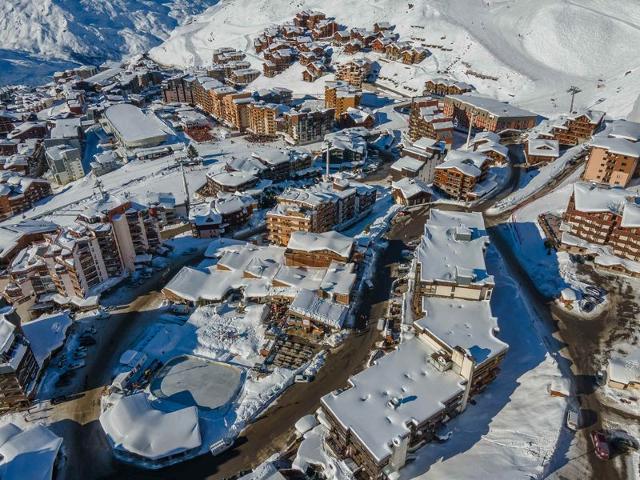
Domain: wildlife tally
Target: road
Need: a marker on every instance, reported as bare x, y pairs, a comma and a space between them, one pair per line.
274, 430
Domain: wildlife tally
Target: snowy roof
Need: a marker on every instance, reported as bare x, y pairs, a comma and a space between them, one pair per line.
543, 147
591, 198
27, 454
378, 412
134, 425
410, 187
493, 106
617, 145
233, 179
631, 215
339, 279
625, 129
407, 163
47, 333
452, 248
315, 242
309, 305
468, 163
133, 125
463, 323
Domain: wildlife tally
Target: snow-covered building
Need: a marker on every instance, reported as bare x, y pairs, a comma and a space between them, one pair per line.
464, 333
221, 216
142, 434
65, 163
377, 423
411, 191
31, 453
450, 259
18, 365
346, 148
323, 207
488, 143
614, 154
602, 216
307, 249
623, 369
133, 128
541, 151
19, 193
460, 173
488, 113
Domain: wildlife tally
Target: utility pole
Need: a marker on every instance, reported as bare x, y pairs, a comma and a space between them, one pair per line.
186, 187
327, 160
573, 90
473, 117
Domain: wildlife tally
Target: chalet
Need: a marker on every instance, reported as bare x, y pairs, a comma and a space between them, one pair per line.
353, 47
488, 143
540, 151
444, 86
460, 173
341, 37
410, 192
318, 250
314, 71
380, 27
354, 72
356, 117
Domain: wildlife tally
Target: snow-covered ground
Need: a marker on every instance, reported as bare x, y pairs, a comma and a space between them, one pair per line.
535, 49
514, 428
41, 37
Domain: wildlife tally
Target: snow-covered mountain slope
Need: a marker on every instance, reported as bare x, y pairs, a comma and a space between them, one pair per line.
41, 36
536, 49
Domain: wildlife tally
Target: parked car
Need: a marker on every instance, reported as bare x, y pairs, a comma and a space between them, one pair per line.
573, 420
600, 444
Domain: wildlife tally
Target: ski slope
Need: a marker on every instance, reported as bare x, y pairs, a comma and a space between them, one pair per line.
535, 49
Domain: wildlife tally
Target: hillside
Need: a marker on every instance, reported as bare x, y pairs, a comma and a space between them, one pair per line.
39, 37
535, 49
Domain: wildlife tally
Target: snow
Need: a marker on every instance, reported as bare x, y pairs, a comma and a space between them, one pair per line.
410, 380
28, 453
514, 427
463, 323
134, 425
331, 241
540, 179
39, 38
135, 128
492, 106
309, 305
312, 451
624, 364
444, 255
47, 334
535, 51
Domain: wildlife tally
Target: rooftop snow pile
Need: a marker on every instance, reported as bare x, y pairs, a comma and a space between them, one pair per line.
331, 241
452, 248
134, 425
379, 412
27, 454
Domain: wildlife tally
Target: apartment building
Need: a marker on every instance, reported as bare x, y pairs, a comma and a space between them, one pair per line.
223, 215
374, 424
179, 89
613, 154
281, 165
262, 119
450, 259
428, 120
574, 129
65, 163
488, 143
602, 216
235, 108
307, 125
18, 366
488, 113
323, 207
308, 249
341, 96
354, 72
461, 173
227, 54
230, 181
19, 193
445, 86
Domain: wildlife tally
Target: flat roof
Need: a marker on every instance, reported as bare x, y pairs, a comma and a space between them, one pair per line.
463, 323
403, 386
133, 125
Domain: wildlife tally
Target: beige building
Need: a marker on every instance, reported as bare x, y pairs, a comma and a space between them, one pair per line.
613, 155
